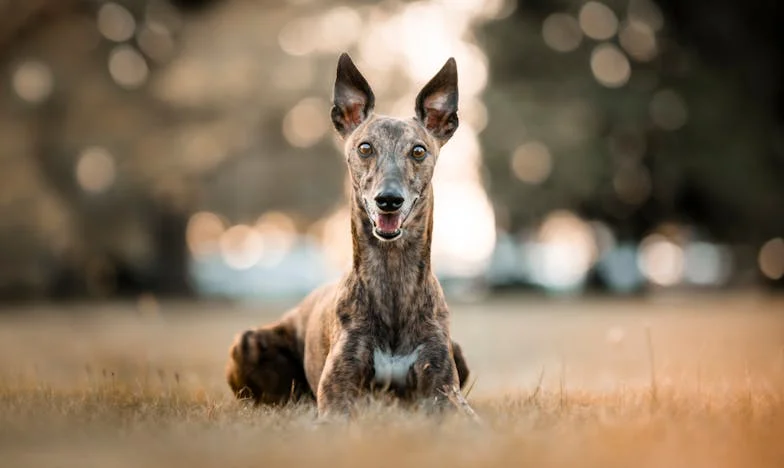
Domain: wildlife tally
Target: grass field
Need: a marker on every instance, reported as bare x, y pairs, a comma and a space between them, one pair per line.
692, 381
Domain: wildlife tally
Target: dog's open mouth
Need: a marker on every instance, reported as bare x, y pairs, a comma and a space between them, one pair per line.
389, 226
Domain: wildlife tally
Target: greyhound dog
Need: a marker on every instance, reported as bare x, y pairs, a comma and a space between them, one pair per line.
385, 323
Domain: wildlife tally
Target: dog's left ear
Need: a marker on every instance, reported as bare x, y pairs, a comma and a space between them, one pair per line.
352, 99
436, 104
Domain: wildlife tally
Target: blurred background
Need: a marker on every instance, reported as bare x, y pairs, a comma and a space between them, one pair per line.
156, 148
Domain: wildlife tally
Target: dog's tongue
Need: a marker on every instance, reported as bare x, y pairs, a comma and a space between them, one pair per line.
388, 223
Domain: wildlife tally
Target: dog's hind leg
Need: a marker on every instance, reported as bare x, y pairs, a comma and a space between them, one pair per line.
265, 365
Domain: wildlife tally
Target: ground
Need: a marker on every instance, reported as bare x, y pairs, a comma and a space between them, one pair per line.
663, 381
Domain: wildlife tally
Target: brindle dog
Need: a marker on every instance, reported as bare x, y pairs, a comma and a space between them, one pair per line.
386, 323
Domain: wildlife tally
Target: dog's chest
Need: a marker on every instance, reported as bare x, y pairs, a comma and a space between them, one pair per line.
392, 369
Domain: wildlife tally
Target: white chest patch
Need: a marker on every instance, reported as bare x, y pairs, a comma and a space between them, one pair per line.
393, 368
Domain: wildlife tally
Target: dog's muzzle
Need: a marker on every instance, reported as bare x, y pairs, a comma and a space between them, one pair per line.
388, 226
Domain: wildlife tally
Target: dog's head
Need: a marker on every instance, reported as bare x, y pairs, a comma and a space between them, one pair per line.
391, 160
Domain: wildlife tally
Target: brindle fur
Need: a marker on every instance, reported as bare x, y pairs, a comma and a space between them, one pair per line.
390, 299
266, 364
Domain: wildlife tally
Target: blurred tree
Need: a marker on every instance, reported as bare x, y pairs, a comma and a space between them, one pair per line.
639, 115
119, 119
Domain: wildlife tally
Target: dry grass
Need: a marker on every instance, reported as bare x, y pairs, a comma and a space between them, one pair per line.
562, 384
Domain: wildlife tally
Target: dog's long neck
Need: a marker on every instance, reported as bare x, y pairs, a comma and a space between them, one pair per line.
393, 271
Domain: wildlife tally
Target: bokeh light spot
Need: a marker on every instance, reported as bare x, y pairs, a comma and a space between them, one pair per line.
95, 169
306, 123
561, 32
474, 114
661, 260
638, 40
339, 28
334, 234
278, 233
241, 247
464, 228
421, 46
598, 21
531, 162
115, 22
605, 239
646, 11
203, 233
565, 251
771, 259
297, 37
493, 9
128, 67
615, 335
33, 81
610, 66
156, 41
707, 264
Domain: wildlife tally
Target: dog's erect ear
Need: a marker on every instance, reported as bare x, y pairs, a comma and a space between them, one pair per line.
352, 98
436, 104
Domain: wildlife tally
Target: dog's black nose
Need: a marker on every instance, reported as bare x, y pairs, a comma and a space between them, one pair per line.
389, 201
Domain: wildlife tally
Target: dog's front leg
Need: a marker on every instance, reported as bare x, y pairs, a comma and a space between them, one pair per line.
345, 375
436, 377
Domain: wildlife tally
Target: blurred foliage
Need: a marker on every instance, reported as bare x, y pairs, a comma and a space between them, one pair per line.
119, 120
180, 104
681, 141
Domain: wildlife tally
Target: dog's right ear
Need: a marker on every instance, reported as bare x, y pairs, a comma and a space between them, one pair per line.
352, 99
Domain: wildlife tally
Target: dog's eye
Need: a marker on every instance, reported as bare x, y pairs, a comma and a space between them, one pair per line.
419, 152
365, 149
